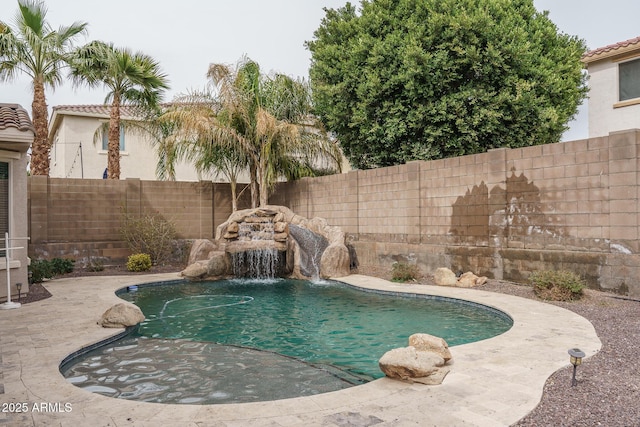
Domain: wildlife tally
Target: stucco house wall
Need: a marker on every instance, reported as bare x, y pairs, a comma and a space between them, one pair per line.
16, 135
606, 112
74, 154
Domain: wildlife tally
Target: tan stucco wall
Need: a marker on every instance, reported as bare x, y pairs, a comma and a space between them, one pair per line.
604, 118
18, 225
138, 160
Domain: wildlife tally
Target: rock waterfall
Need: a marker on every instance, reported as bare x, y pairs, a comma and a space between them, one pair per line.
270, 242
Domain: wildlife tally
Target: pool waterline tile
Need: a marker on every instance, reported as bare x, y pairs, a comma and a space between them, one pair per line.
69, 323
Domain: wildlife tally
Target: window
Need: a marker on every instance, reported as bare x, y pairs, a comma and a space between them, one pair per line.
105, 139
4, 203
629, 80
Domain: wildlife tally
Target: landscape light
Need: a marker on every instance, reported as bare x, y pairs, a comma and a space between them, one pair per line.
575, 358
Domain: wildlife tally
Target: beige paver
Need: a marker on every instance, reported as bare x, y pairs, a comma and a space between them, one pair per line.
494, 382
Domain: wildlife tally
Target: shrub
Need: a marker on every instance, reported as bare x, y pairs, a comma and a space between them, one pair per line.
403, 272
149, 234
62, 266
95, 264
561, 285
46, 269
139, 262
40, 269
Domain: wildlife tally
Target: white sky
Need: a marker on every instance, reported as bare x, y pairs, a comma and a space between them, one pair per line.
185, 36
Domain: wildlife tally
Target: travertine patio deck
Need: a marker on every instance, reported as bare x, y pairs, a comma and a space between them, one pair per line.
494, 382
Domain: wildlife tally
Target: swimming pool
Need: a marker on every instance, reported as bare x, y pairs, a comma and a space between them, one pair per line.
311, 337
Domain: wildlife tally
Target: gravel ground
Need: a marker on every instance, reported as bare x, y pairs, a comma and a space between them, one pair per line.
608, 388
608, 384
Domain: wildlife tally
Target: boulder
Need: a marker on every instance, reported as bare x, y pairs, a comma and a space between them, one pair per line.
197, 270
426, 342
469, 280
280, 237
230, 236
445, 277
434, 379
422, 361
200, 250
121, 315
218, 265
281, 227
410, 364
335, 261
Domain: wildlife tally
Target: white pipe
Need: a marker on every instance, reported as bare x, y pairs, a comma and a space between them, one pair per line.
6, 257
9, 304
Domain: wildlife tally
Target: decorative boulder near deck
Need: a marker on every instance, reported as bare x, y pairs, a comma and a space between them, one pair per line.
470, 280
430, 343
445, 277
121, 315
423, 361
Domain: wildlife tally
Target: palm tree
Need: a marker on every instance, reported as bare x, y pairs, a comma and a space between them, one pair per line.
263, 122
193, 128
35, 49
133, 79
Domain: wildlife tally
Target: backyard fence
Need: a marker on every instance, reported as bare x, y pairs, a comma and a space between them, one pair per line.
504, 213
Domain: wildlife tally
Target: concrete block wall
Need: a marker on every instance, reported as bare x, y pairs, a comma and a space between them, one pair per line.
82, 218
333, 197
504, 213
74, 209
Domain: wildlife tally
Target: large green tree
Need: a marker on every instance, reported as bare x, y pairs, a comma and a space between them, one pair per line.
131, 78
34, 48
401, 80
262, 123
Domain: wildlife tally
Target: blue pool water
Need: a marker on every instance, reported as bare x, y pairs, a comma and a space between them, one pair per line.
326, 335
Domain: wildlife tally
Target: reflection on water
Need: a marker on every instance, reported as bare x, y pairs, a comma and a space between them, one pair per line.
179, 371
248, 340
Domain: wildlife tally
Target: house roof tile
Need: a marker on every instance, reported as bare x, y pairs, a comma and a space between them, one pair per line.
611, 49
103, 110
14, 116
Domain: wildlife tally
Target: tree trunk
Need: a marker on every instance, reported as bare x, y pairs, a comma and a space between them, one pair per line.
41, 144
254, 185
262, 181
113, 154
234, 196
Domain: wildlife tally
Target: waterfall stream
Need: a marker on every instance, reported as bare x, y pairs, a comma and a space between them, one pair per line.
259, 261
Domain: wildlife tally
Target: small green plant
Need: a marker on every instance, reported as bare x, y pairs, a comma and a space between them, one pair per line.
139, 262
42, 269
557, 285
62, 266
403, 272
39, 269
